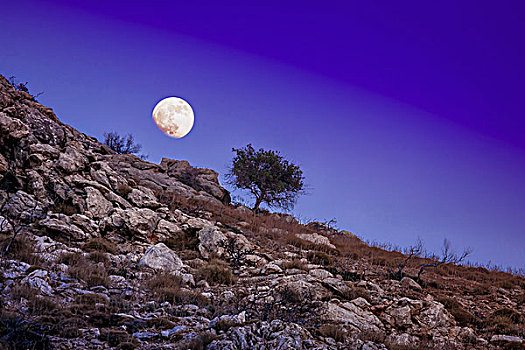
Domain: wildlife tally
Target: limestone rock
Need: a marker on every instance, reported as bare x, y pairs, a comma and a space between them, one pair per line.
408, 282
37, 280
316, 239
211, 239
351, 314
72, 160
97, 206
143, 197
160, 257
498, 338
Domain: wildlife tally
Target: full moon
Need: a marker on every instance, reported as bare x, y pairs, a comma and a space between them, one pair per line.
174, 117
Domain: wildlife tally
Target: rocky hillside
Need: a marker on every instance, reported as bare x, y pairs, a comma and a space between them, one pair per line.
107, 251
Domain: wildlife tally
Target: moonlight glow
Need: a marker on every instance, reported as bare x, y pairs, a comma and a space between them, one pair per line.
174, 117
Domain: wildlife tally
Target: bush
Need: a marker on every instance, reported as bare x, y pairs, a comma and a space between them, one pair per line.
215, 272
462, 316
83, 269
333, 331
319, 258
123, 144
22, 248
99, 245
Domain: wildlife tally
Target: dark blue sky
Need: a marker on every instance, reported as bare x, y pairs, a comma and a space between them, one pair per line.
406, 118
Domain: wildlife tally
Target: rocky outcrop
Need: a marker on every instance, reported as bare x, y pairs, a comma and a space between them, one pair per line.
108, 248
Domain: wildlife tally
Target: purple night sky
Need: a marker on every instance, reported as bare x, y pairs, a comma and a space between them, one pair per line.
406, 117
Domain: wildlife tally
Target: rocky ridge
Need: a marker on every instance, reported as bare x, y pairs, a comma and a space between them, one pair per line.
113, 252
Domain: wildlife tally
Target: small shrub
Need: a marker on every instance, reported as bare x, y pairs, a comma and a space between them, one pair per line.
521, 299
375, 336
291, 295
319, 258
17, 333
183, 240
462, 316
354, 293
224, 325
65, 208
123, 144
167, 287
164, 287
99, 257
215, 272
511, 314
85, 270
123, 190
100, 245
90, 299
126, 346
505, 321
200, 341
114, 337
22, 248
333, 331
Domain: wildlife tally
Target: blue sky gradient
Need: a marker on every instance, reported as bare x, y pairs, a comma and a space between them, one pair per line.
400, 129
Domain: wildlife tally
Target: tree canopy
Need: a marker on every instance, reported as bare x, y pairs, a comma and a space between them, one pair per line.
269, 177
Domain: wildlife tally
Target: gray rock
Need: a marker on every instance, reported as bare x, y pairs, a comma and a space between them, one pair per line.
97, 205
145, 335
160, 257
60, 225
211, 239
505, 339
37, 280
316, 239
143, 197
349, 313
72, 160
408, 282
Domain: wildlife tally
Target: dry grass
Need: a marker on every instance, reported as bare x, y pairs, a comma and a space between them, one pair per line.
295, 264
319, 258
463, 317
90, 299
81, 268
215, 272
22, 248
167, 287
333, 331
100, 245
183, 240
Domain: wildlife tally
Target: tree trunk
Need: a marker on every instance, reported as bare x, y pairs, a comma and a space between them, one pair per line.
258, 202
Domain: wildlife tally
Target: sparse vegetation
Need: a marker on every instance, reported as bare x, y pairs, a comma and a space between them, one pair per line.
215, 272
463, 317
123, 144
99, 244
81, 268
333, 331
19, 86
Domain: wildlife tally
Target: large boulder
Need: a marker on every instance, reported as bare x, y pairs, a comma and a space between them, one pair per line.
138, 222
316, 239
349, 313
200, 179
160, 257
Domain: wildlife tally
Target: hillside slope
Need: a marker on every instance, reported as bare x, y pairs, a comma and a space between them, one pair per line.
104, 251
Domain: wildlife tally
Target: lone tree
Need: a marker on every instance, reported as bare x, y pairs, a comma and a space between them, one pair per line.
123, 144
269, 178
